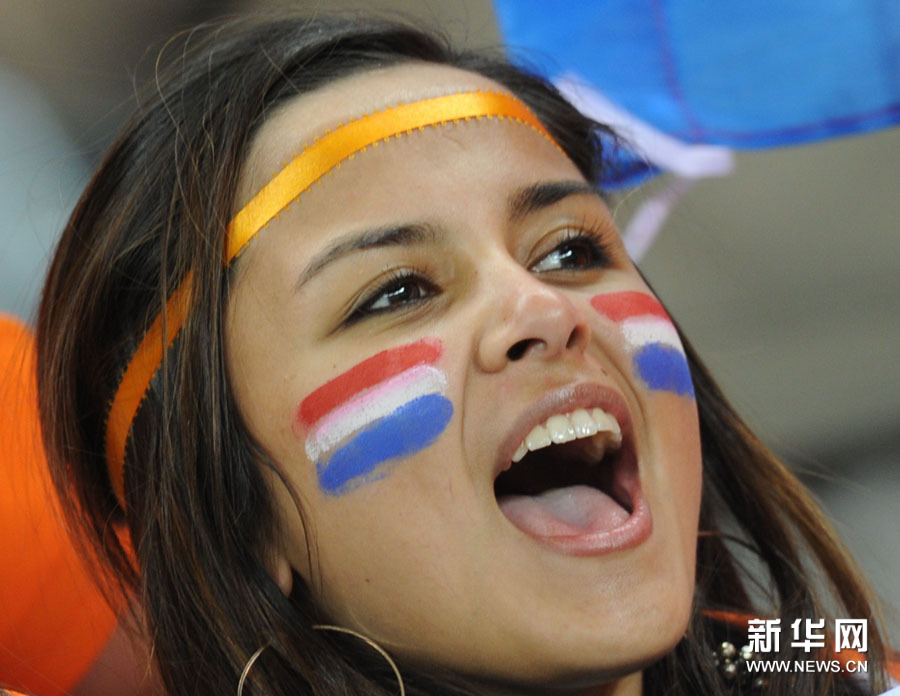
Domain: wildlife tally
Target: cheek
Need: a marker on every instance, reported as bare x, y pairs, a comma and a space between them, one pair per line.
388, 407
677, 443
651, 340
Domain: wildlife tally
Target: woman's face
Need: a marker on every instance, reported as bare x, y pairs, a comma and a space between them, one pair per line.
412, 324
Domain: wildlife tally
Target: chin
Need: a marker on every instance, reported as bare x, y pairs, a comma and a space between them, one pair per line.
595, 652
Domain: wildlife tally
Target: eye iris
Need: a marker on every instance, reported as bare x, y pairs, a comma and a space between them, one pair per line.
401, 293
574, 255
404, 292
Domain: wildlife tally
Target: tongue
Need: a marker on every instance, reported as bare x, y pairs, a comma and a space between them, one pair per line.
569, 511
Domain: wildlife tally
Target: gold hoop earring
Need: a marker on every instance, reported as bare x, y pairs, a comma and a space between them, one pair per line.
337, 629
368, 641
253, 658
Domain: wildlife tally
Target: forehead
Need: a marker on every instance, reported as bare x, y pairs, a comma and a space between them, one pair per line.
301, 120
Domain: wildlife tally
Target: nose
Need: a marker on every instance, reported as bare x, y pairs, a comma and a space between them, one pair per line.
530, 320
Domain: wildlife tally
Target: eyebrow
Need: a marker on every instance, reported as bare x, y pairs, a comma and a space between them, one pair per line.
520, 204
542, 195
389, 235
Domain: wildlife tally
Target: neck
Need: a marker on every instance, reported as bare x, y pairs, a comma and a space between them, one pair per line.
630, 685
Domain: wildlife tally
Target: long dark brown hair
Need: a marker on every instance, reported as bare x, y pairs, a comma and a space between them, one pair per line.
185, 548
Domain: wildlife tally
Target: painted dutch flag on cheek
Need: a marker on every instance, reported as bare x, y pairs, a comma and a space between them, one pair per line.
389, 406
652, 340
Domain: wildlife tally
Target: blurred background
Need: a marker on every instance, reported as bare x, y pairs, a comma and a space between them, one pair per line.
785, 273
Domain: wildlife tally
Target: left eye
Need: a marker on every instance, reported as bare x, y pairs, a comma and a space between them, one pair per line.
573, 254
399, 292
404, 290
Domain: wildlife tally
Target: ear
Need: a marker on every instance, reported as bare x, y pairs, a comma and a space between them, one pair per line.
286, 552
279, 569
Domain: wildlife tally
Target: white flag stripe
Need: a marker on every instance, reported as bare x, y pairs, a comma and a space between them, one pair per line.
640, 332
371, 405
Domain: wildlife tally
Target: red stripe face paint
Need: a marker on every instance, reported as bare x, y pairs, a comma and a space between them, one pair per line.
619, 306
386, 408
657, 354
366, 374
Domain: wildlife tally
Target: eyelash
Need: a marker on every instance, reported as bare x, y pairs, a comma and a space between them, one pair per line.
394, 283
593, 242
592, 239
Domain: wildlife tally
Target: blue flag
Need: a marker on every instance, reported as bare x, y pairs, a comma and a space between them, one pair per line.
740, 73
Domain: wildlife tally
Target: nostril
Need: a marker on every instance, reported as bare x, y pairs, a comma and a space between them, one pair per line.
518, 349
577, 338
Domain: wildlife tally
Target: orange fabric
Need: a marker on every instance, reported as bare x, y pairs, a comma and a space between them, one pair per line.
303, 171
147, 358
893, 668
53, 622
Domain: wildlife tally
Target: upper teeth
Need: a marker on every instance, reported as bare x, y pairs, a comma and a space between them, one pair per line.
571, 426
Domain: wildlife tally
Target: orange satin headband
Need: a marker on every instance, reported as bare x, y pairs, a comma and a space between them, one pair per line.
305, 169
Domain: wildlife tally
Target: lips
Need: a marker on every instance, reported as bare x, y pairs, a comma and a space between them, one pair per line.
568, 473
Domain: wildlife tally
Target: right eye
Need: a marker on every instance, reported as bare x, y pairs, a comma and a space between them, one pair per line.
577, 251
401, 291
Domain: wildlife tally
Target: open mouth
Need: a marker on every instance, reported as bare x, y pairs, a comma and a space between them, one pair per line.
573, 475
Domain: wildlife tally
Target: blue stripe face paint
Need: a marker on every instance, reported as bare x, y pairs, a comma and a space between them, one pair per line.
657, 354
665, 368
408, 430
